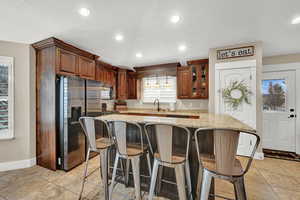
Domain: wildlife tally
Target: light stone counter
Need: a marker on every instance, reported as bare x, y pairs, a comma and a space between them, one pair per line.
206, 120
165, 112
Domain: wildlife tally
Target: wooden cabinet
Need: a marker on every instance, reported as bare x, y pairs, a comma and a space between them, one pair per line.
126, 85
183, 82
122, 84
54, 57
86, 68
105, 75
66, 62
132, 85
192, 80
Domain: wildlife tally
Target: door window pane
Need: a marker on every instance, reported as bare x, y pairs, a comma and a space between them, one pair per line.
274, 95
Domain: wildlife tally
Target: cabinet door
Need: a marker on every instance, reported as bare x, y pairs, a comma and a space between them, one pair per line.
122, 85
184, 78
110, 78
86, 68
66, 62
132, 83
98, 73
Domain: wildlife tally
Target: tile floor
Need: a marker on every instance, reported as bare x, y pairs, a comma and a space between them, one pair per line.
270, 179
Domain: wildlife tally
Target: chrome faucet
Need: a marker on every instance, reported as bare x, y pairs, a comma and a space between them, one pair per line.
156, 100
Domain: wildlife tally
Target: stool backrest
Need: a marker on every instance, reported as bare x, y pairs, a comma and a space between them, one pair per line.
226, 141
127, 134
169, 145
91, 126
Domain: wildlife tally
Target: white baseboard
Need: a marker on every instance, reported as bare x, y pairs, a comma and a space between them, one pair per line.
259, 155
20, 164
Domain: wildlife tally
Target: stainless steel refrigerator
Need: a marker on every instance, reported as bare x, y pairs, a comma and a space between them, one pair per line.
71, 102
76, 97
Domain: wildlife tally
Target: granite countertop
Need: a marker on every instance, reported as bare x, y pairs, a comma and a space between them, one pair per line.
166, 112
206, 120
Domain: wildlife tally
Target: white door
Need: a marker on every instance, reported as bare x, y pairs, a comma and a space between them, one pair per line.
244, 112
279, 123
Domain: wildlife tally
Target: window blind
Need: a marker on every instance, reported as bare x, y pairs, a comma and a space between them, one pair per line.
162, 88
6, 98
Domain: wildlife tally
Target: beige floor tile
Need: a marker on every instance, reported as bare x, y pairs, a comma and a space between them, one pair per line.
270, 179
26, 190
291, 168
74, 185
282, 181
2, 198
286, 194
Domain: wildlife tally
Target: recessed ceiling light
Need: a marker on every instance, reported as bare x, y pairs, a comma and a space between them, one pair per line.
119, 37
296, 20
138, 55
84, 12
182, 47
175, 19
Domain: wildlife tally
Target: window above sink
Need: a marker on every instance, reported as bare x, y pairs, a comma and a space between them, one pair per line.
160, 87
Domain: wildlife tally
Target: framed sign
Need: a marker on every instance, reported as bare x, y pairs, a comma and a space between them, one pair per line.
235, 52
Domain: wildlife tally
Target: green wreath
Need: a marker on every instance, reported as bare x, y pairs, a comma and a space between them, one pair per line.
236, 93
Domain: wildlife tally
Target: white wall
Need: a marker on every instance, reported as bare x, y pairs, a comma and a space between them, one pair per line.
23, 146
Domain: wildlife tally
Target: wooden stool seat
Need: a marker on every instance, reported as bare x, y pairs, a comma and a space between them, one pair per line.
134, 150
209, 162
103, 143
174, 158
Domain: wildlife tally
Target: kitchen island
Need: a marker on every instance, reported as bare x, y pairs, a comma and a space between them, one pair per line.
204, 120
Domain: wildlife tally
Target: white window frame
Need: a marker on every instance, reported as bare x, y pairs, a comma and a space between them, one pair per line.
161, 80
10, 62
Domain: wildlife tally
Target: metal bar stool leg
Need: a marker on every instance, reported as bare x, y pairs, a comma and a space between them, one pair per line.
239, 189
188, 178
135, 161
160, 175
149, 163
84, 173
180, 179
153, 180
127, 172
205, 186
114, 175
199, 182
104, 171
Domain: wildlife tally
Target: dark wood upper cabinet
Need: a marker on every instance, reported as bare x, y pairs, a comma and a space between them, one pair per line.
122, 85
132, 85
105, 74
184, 82
66, 62
126, 85
86, 68
200, 75
192, 80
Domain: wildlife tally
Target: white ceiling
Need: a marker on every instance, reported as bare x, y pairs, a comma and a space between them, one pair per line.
146, 26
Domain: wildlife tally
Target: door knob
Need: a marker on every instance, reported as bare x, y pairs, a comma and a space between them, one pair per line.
292, 116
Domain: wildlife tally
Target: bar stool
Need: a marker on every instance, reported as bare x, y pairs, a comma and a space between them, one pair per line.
170, 155
101, 146
224, 164
130, 146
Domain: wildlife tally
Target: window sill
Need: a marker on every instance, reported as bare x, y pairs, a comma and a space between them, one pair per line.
7, 138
